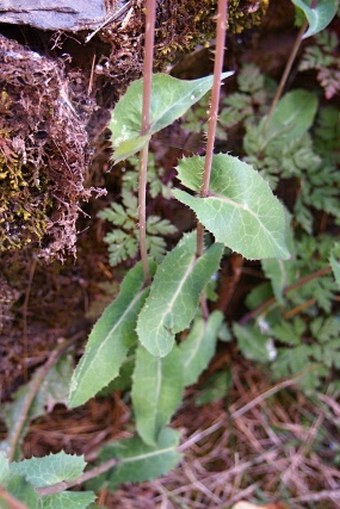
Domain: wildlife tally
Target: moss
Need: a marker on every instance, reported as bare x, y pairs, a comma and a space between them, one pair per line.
43, 153
181, 25
23, 206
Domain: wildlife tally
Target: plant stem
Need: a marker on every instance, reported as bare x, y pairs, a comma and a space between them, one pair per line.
222, 11
86, 476
301, 282
11, 502
286, 72
147, 89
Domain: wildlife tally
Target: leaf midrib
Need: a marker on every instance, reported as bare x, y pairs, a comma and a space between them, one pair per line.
183, 280
147, 455
229, 201
109, 334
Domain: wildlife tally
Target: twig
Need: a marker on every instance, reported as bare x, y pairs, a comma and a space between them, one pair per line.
301, 282
91, 474
286, 72
11, 502
316, 497
289, 65
33, 389
197, 437
222, 11
113, 17
147, 89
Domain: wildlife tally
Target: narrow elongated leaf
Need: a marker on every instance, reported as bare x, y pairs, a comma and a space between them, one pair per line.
50, 469
293, 116
170, 99
319, 16
174, 294
240, 211
199, 347
110, 340
68, 500
335, 262
141, 462
156, 391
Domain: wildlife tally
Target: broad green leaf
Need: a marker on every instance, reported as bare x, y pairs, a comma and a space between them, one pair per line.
174, 294
110, 340
4, 468
141, 462
170, 99
157, 390
254, 345
21, 490
53, 390
335, 262
50, 469
68, 500
293, 116
319, 16
281, 273
199, 347
240, 211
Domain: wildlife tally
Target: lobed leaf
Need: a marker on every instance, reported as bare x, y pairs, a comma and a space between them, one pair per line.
174, 294
157, 390
141, 462
110, 340
68, 500
253, 344
318, 17
50, 469
240, 211
199, 347
170, 99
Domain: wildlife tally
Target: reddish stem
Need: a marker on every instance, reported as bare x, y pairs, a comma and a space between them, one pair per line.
147, 89
222, 10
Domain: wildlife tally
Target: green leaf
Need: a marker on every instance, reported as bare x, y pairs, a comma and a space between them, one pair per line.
4, 468
319, 16
253, 345
240, 211
156, 391
110, 340
50, 469
293, 116
174, 294
281, 272
199, 347
68, 500
23, 491
334, 260
215, 388
53, 390
141, 462
170, 99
